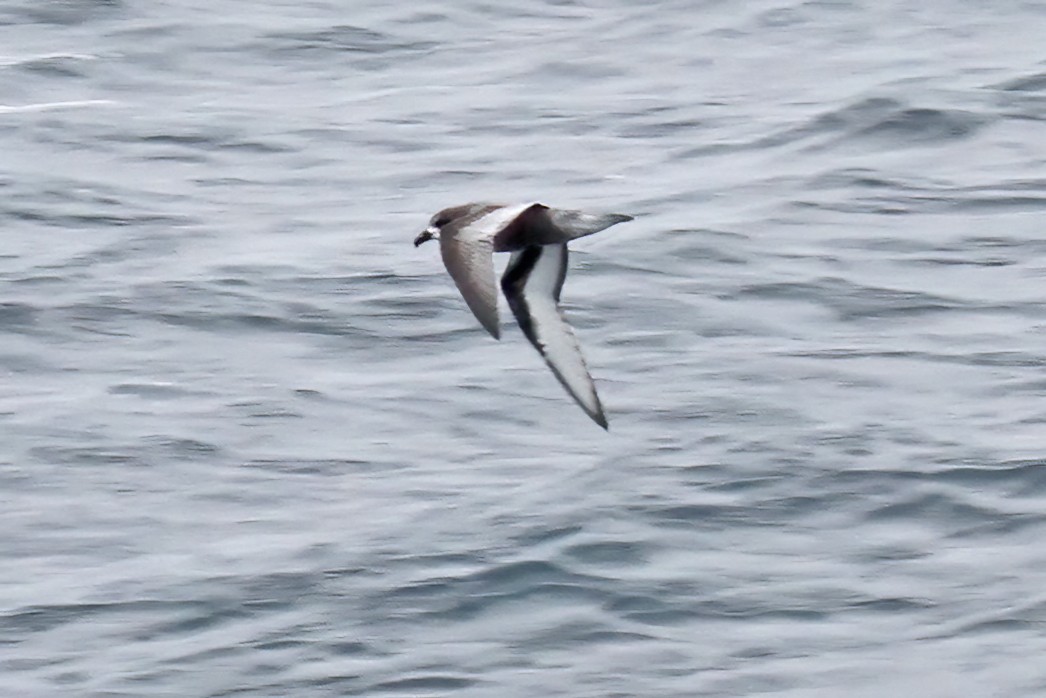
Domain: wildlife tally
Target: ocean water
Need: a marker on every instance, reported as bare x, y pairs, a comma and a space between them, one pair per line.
253, 443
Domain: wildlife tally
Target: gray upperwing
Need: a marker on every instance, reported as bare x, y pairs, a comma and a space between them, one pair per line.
470, 262
532, 283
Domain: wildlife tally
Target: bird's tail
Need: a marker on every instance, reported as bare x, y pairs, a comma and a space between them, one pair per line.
579, 224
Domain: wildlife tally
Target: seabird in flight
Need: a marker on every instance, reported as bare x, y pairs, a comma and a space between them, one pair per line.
537, 237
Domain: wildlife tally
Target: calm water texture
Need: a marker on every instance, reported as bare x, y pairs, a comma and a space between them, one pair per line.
253, 442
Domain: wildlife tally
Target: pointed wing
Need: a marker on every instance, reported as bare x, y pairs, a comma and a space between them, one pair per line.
532, 283
470, 262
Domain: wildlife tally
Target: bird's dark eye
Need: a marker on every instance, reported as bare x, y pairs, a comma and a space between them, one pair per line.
441, 221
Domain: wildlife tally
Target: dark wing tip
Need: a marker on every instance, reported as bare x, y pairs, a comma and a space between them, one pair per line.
490, 324
598, 415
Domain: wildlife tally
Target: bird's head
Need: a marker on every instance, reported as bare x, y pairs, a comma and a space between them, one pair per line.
432, 232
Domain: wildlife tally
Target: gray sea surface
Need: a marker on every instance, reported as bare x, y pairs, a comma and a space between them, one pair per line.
253, 443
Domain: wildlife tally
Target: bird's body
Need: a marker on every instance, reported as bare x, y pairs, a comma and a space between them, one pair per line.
537, 237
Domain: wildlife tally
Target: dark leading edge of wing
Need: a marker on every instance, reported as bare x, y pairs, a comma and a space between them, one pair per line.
532, 283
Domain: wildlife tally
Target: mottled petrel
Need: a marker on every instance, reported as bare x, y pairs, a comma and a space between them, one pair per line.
537, 237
